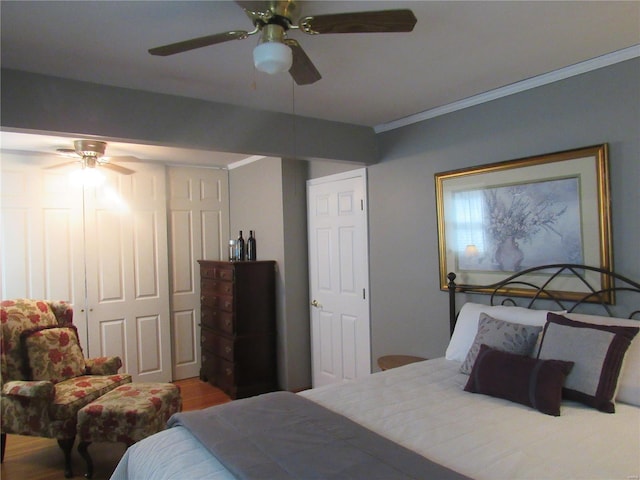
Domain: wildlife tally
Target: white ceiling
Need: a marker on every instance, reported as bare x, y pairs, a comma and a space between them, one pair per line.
457, 50
41, 149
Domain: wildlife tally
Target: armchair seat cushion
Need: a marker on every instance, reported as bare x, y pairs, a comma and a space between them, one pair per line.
73, 394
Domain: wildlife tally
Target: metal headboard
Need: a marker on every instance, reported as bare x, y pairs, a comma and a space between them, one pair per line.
516, 284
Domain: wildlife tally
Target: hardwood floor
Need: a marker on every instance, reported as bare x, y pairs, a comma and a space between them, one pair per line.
33, 458
197, 395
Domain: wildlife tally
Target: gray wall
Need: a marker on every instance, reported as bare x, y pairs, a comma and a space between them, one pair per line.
409, 312
298, 332
40, 102
269, 197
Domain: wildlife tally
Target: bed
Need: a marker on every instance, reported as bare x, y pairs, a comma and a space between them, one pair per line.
512, 415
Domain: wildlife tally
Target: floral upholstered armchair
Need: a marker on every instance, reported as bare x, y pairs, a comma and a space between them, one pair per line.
45, 378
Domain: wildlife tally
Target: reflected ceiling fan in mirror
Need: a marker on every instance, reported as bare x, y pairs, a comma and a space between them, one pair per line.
90, 154
277, 53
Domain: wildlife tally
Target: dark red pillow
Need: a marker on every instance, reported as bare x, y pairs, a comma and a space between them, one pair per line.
525, 380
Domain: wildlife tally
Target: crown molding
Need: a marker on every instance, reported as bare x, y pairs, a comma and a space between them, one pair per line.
245, 161
545, 79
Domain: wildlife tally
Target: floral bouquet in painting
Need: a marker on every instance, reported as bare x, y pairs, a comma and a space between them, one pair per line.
518, 213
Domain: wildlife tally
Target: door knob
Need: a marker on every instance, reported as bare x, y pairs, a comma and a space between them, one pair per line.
316, 304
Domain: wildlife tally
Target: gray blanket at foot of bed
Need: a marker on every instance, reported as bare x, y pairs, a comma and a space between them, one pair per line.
285, 436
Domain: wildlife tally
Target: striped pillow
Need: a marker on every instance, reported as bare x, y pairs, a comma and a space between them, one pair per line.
597, 351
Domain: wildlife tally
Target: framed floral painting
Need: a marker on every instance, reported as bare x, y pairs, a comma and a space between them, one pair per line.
501, 218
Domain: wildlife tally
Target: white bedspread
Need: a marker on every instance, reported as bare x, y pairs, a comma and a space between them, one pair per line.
423, 407
172, 454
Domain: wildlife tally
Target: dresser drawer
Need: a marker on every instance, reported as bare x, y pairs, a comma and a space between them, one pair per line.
210, 286
217, 272
220, 302
213, 364
218, 320
208, 367
218, 371
222, 346
226, 374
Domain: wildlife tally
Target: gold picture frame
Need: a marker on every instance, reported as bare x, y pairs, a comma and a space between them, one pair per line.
501, 218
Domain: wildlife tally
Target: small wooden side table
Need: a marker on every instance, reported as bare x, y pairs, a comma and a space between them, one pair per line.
393, 361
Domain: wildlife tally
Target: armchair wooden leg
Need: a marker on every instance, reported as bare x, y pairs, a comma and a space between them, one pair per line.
84, 453
3, 444
66, 444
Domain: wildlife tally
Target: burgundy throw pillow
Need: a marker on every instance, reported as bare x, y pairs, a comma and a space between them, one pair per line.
521, 379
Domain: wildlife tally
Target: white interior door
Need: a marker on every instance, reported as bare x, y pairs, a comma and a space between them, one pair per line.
103, 249
127, 272
42, 239
199, 229
339, 277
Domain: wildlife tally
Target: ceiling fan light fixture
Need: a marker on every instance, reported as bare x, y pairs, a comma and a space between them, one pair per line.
86, 177
90, 148
274, 18
272, 57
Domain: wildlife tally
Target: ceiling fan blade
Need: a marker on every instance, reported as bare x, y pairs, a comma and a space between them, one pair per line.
60, 165
360, 22
199, 42
31, 153
67, 152
302, 69
120, 158
117, 168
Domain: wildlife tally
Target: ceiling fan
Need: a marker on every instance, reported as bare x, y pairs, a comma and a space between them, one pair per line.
90, 153
277, 53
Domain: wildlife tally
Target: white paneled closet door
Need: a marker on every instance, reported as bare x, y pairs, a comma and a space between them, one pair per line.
127, 272
199, 229
105, 251
42, 240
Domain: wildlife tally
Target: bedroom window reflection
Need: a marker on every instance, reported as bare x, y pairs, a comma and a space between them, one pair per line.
470, 235
507, 228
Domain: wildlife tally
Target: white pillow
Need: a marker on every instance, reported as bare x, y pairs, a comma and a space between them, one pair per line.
629, 380
467, 324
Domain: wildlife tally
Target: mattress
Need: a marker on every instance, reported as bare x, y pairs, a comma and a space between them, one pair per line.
423, 407
172, 454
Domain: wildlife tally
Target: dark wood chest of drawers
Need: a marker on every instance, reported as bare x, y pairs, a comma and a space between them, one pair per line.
238, 326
